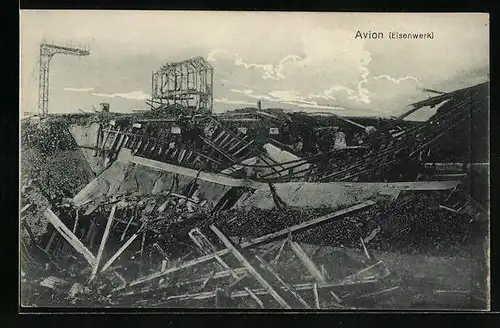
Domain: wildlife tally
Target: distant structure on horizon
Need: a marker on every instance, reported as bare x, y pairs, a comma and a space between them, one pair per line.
188, 83
47, 51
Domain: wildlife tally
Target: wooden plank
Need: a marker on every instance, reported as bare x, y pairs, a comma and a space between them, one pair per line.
76, 220
255, 297
25, 207
128, 223
357, 276
364, 248
118, 252
187, 264
206, 247
51, 240
276, 258
249, 244
308, 263
381, 292
243, 293
30, 232
101, 151
69, 236
250, 268
205, 176
308, 224
243, 148
283, 283
103, 242
316, 296
161, 251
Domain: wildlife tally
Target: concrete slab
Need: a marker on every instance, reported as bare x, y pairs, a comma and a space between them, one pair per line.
334, 194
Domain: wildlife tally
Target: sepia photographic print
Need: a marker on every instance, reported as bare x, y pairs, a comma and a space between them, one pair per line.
254, 160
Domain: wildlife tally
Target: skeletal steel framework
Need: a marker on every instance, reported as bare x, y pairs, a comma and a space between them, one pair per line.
47, 51
187, 83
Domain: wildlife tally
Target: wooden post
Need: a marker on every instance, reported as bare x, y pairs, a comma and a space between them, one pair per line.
250, 268
103, 242
69, 236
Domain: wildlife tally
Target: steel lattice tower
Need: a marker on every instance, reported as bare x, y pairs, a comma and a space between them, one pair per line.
47, 51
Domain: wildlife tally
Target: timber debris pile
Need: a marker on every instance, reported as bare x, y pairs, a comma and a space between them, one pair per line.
256, 208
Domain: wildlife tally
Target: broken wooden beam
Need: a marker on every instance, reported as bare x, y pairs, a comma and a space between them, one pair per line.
185, 265
255, 242
365, 250
222, 274
69, 236
103, 242
26, 207
282, 282
449, 209
381, 292
118, 252
358, 276
316, 296
308, 263
250, 268
307, 225
259, 292
205, 176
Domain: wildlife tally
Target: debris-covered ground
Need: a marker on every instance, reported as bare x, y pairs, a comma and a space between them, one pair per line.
171, 209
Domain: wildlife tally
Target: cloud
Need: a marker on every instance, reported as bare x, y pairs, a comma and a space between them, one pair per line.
134, 95
313, 54
79, 89
331, 69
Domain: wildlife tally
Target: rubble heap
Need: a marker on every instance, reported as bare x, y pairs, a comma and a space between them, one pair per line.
192, 210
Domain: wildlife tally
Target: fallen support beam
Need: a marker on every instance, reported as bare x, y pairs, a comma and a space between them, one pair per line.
26, 207
250, 268
103, 242
119, 252
308, 263
206, 247
69, 236
381, 292
307, 225
364, 248
282, 282
449, 209
204, 176
316, 296
277, 257
219, 275
260, 291
185, 265
363, 275
255, 242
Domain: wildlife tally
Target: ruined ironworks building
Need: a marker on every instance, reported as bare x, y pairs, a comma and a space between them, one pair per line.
187, 83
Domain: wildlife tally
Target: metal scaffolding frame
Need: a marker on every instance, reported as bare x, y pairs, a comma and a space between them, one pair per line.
188, 83
47, 51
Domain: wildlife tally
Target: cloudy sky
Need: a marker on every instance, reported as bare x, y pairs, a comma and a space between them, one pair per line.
301, 61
